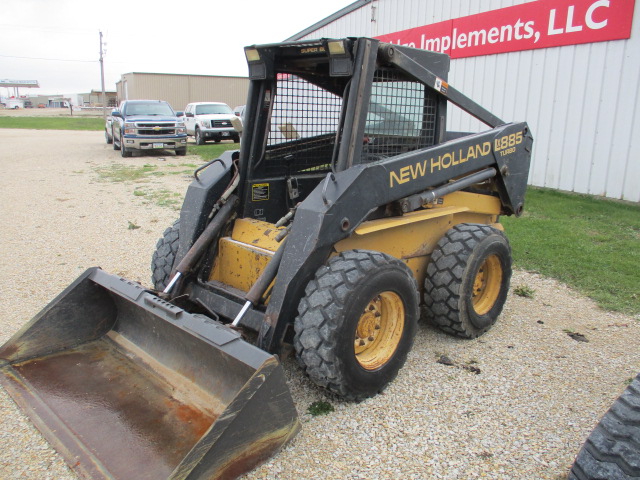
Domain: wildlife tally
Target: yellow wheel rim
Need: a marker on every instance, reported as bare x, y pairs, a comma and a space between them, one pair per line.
379, 330
486, 286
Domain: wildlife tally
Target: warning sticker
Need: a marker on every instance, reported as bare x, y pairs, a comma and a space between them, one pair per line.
441, 86
260, 192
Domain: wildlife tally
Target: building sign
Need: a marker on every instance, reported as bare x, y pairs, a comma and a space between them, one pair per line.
539, 24
19, 83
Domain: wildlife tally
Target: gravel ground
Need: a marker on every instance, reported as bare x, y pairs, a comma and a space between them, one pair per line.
522, 412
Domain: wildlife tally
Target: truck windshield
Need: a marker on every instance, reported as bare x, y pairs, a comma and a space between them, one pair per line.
212, 109
149, 109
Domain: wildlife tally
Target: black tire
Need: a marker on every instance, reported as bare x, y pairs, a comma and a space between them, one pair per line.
612, 451
199, 138
107, 137
217, 140
181, 151
236, 139
467, 279
356, 323
124, 151
164, 256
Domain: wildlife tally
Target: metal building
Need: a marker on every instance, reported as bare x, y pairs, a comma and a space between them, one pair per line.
570, 69
94, 99
180, 90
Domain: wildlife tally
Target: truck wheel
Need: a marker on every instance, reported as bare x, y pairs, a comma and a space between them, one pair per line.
199, 138
356, 323
611, 452
236, 139
164, 256
107, 137
124, 151
181, 152
467, 279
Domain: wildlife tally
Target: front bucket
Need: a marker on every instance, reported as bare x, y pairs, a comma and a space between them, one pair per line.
127, 386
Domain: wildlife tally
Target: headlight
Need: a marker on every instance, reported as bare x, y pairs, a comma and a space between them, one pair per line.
180, 125
181, 130
129, 128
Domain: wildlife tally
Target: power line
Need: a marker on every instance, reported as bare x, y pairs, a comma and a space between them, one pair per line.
49, 59
130, 62
48, 28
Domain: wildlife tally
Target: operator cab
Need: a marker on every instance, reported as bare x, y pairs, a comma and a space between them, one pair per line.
318, 112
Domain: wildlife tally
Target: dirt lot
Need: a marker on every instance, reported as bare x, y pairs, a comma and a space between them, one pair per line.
522, 413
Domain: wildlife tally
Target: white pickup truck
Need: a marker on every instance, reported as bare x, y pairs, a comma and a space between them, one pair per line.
211, 121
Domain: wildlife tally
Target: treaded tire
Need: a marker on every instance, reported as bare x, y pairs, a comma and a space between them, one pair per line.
199, 138
467, 279
124, 151
181, 152
334, 312
612, 451
164, 256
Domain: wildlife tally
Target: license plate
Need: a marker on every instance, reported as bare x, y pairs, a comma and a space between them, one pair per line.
225, 134
158, 145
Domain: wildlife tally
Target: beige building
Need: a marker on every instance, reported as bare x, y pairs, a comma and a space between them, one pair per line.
180, 90
94, 99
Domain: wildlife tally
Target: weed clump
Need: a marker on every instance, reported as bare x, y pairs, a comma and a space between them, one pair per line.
524, 291
320, 408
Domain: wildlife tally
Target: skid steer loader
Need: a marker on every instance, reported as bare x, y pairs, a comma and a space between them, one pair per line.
347, 211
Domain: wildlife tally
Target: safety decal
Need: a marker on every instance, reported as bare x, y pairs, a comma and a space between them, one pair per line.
441, 86
260, 192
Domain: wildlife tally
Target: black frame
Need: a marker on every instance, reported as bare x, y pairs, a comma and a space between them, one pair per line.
333, 204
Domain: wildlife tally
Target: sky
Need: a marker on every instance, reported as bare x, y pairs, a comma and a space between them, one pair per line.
57, 42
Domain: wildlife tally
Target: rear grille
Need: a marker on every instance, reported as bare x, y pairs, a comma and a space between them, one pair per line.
303, 128
220, 123
401, 116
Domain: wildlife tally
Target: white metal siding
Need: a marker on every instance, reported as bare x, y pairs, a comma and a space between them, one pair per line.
581, 101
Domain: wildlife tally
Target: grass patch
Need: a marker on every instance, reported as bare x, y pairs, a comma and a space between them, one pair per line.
589, 243
125, 173
211, 151
53, 123
166, 198
161, 197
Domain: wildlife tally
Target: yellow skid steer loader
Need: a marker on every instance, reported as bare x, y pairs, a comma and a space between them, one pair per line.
347, 211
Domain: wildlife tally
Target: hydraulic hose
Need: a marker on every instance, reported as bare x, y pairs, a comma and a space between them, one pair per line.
205, 238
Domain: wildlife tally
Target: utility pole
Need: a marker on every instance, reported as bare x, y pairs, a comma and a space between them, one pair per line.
104, 95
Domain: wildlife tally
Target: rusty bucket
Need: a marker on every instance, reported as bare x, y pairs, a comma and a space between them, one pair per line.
125, 385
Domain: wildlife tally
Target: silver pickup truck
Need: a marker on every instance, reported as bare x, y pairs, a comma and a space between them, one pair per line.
144, 125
